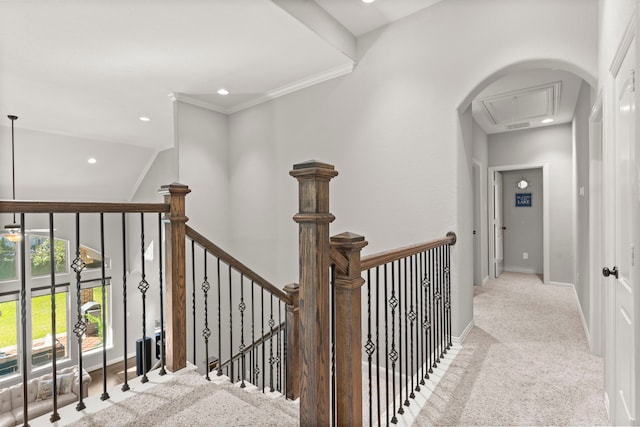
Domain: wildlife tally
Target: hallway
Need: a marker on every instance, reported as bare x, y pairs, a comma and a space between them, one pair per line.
526, 362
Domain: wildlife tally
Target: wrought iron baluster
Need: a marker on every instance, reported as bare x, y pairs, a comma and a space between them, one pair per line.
193, 304
415, 286
125, 386
23, 318
421, 328
369, 347
448, 290
242, 306
253, 360
79, 329
431, 284
206, 332
393, 355
440, 301
230, 325
377, 300
386, 343
160, 279
412, 318
271, 358
263, 385
143, 287
219, 373
279, 344
54, 357
332, 290
105, 328
400, 316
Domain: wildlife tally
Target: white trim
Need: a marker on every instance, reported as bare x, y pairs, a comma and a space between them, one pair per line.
338, 71
463, 336
623, 47
188, 99
520, 270
332, 73
563, 284
485, 280
546, 234
584, 320
607, 405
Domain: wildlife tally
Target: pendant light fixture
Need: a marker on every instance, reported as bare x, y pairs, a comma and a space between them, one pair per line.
12, 231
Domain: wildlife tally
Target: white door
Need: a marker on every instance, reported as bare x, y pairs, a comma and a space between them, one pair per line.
498, 256
624, 274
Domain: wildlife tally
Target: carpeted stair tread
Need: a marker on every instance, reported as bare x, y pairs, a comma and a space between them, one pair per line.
190, 399
258, 399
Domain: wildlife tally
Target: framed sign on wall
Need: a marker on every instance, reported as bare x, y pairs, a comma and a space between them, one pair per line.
523, 200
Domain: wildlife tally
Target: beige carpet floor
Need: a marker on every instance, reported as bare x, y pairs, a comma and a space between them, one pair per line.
526, 362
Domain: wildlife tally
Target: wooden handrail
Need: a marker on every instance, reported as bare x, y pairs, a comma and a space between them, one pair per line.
216, 251
375, 260
22, 206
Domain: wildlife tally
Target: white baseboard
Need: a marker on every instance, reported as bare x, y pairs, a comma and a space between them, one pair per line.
520, 270
485, 280
567, 285
606, 404
463, 336
584, 320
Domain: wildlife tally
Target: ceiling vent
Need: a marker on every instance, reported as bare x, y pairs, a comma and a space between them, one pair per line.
518, 125
523, 104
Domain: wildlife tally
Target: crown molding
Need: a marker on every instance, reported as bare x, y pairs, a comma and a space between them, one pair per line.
295, 86
623, 47
188, 99
276, 93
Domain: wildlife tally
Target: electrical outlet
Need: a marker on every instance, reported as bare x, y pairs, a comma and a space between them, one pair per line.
525, 255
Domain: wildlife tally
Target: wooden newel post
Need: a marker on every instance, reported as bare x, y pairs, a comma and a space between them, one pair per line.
348, 345
176, 297
314, 218
293, 342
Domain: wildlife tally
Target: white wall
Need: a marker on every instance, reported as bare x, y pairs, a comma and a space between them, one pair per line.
392, 129
581, 192
203, 165
163, 171
551, 145
524, 224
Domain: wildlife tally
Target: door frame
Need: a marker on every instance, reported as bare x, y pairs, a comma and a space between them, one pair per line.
597, 294
545, 213
476, 179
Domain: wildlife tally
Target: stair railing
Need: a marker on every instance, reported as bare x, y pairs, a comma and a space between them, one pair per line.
408, 299
252, 324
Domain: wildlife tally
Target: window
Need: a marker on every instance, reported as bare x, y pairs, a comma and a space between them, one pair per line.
42, 340
91, 308
7, 260
9, 334
41, 256
93, 258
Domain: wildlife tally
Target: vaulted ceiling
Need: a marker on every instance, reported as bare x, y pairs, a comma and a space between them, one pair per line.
80, 74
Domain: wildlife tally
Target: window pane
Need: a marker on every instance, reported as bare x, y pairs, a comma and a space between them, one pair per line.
8, 338
91, 299
92, 258
41, 328
41, 255
7, 260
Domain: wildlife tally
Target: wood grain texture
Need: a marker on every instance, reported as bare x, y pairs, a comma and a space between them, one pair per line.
313, 221
176, 301
80, 207
348, 339
381, 258
293, 342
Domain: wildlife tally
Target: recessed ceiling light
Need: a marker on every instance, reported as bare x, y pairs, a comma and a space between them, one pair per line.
144, 119
547, 121
368, 1
223, 91
92, 161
